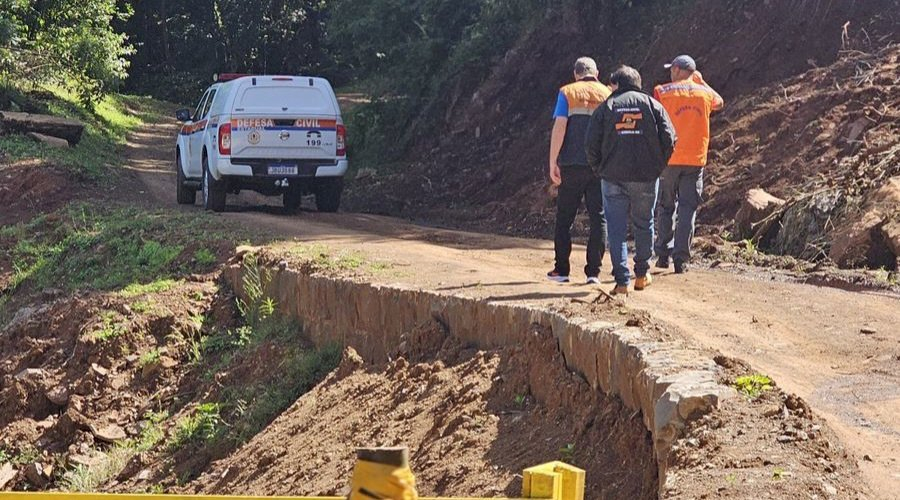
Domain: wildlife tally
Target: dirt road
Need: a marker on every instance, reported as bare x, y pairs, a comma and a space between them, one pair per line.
839, 350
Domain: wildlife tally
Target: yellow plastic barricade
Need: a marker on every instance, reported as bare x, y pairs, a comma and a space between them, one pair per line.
556, 480
379, 474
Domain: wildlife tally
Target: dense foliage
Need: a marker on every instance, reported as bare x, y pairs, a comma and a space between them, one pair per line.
408, 53
404, 54
180, 45
60, 41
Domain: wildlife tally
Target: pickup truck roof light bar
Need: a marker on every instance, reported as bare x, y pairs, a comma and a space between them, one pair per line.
227, 77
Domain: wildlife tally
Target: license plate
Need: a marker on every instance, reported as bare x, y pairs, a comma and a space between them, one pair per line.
282, 169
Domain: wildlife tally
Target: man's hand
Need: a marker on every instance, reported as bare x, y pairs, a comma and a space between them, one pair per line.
555, 175
718, 102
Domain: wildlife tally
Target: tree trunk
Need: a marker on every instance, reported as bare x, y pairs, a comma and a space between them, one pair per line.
165, 33
22, 123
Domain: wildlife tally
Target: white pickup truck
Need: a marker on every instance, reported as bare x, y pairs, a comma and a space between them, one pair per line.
276, 135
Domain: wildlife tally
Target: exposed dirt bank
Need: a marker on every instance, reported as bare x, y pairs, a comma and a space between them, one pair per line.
472, 419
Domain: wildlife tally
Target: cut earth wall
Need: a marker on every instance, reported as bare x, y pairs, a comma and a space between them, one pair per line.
667, 382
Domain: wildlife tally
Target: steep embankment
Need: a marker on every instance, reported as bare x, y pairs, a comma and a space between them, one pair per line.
484, 167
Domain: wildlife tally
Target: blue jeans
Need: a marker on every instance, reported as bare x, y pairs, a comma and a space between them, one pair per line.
635, 201
680, 192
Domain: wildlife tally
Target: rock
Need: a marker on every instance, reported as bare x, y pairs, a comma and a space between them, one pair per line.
99, 370
784, 438
797, 405
34, 472
167, 363
117, 383
30, 375
829, 489
109, 433
83, 460
49, 140
243, 250
870, 237
71, 421
26, 315
45, 424
772, 410
163, 363
806, 223
7, 475
891, 234
58, 396
757, 205
136, 428
867, 331
143, 475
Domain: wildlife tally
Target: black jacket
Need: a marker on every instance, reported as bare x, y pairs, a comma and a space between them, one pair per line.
630, 137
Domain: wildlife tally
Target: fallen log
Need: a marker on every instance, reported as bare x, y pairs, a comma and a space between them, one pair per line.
22, 123
56, 142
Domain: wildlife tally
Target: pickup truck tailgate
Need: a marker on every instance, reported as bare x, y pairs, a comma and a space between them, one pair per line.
300, 137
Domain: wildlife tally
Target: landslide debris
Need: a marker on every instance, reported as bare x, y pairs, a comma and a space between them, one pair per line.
826, 141
85, 374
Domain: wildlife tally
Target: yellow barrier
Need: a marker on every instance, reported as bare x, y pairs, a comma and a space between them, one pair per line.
114, 496
556, 480
551, 481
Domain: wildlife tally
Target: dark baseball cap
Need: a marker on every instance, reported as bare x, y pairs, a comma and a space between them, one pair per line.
683, 62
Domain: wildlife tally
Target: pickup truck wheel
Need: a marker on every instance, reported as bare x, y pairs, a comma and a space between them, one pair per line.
184, 194
328, 194
292, 198
213, 190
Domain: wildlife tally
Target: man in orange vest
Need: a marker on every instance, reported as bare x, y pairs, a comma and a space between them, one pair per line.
570, 171
689, 101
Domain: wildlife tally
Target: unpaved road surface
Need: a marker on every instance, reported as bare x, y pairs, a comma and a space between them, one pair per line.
814, 341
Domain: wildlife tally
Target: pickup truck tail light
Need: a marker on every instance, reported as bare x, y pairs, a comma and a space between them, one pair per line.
341, 140
225, 139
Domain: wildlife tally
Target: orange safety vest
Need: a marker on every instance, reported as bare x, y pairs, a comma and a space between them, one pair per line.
582, 97
689, 105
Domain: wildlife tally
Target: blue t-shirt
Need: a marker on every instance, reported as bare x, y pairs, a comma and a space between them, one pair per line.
562, 107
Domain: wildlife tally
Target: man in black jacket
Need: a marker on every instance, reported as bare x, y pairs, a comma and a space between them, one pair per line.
629, 141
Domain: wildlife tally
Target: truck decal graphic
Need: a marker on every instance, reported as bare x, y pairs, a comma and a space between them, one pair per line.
300, 124
193, 127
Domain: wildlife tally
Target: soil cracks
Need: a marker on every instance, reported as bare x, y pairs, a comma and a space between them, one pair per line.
839, 350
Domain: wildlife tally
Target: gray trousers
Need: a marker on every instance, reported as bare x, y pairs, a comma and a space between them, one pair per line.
680, 193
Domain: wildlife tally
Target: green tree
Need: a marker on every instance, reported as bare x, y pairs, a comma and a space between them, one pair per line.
180, 45
59, 41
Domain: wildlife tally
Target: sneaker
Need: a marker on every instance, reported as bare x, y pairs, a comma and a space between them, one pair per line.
642, 282
554, 275
593, 280
681, 267
620, 290
662, 263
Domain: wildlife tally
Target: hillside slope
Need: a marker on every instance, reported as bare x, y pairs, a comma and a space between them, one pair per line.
484, 168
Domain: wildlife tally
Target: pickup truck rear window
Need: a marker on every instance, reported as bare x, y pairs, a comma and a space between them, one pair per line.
296, 99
